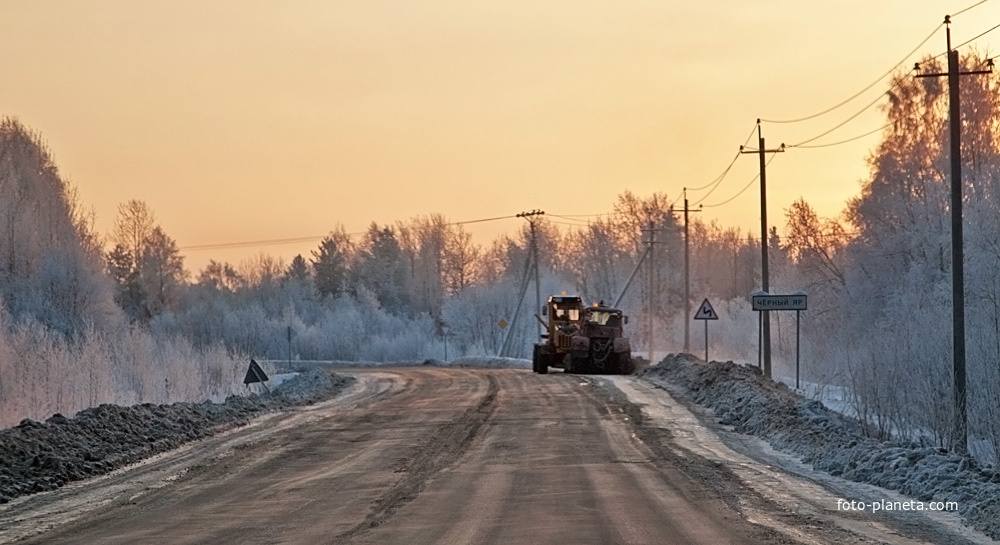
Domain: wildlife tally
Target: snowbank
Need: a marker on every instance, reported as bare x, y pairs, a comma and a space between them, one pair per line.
38, 456
831, 442
487, 362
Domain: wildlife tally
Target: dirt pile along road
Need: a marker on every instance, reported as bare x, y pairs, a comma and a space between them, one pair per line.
40, 456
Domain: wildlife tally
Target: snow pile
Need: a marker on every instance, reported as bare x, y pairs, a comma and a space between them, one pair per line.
486, 362
831, 442
37, 456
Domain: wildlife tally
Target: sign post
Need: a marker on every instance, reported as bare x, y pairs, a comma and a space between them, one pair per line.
706, 313
444, 330
797, 301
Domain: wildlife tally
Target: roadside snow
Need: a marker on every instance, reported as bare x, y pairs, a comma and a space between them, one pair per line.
487, 362
38, 456
832, 442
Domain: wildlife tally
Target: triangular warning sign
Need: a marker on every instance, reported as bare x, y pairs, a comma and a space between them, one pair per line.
255, 374
706, 312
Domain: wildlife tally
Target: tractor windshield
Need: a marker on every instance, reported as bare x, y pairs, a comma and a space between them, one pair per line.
570, 314
600, 317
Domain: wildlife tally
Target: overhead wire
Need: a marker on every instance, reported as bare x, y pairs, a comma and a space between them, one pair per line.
859, 137
961, 11
292, 240
718, 179
849, 119
569, 218
969, 41
754, 179
250, 243
861, 92
803, 143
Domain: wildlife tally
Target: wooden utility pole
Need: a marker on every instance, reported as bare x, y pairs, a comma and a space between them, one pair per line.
762, 151
961, 441
531, 257
687, 275
530, 216
651, 293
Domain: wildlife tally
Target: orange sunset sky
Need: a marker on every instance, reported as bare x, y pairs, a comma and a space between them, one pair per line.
248, 120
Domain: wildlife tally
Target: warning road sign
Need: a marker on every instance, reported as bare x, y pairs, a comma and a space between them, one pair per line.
502, 324
706, 312
255, 374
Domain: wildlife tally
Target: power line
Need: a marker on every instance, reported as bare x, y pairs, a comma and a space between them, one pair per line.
961, 11
861, 92
831, 144
580, 215
579, 221
730, 199
718, 179
250, 243
480, 221
849, 119
293, 240
967, 42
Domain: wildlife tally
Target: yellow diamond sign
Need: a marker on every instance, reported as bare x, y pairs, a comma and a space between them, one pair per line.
502, 324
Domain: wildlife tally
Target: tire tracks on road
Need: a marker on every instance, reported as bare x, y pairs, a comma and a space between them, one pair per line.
439, 450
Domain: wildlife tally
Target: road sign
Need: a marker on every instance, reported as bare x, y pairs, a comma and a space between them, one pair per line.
779, 302
706, 312
763, 302
502, 324
255, 374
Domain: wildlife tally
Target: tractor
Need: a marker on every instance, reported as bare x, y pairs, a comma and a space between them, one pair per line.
582, 339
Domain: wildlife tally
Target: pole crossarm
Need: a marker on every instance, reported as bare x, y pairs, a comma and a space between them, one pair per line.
530, 216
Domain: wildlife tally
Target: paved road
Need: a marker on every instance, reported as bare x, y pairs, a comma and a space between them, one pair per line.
435, 456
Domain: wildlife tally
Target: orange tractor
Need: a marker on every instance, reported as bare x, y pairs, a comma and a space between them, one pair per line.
582, 339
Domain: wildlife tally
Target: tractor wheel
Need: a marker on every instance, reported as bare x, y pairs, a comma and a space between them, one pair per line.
538, 362
578, 365
625, 364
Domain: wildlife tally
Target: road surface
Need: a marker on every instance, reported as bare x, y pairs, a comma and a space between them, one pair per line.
425, 455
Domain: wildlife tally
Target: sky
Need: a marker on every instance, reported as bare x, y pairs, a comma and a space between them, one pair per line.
248, 120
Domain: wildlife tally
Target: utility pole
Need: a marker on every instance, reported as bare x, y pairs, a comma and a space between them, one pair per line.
650, 294
957, 248
687, 275
530, 216
762, 151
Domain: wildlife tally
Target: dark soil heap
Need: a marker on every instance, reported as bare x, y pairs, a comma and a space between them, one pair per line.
38, 456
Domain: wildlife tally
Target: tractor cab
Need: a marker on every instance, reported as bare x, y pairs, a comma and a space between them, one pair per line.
604, 321
565, 317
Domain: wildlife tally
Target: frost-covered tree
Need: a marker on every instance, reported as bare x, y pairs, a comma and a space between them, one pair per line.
161, 273
330, 264
380, 268
220, 276
298, 270
51, 268
133, 227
